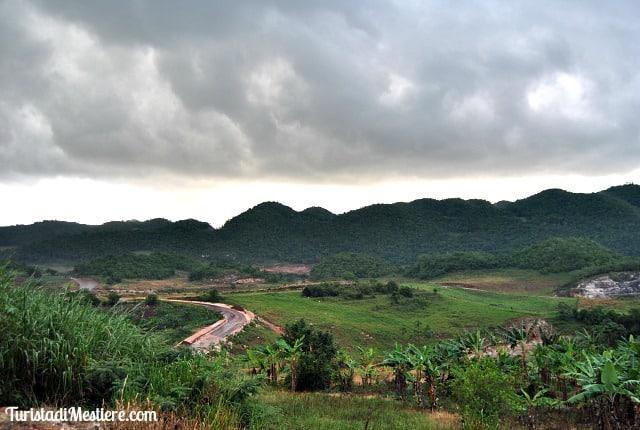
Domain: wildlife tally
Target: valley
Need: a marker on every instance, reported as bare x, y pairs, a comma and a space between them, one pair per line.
430, 314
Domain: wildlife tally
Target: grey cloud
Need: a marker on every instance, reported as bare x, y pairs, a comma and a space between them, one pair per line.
301, 90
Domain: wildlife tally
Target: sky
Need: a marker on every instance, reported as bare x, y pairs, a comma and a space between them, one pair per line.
140, 109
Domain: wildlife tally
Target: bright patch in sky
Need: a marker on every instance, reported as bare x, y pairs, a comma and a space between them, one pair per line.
562, 93
398, 90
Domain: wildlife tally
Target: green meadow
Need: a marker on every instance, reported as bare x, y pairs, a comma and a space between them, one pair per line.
379, 323
326, 411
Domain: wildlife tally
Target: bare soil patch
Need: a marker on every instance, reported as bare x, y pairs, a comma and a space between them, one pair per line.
296, 269
503, 282
271, 325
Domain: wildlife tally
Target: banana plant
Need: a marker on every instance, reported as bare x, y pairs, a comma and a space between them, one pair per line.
400, 363
428, 367
257, 357
291, 355
474, 342
367, 365
346, 370
272, 362
605, 383
534, 402
519, 336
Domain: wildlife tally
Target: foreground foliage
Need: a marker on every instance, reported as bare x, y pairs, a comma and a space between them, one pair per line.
57, 350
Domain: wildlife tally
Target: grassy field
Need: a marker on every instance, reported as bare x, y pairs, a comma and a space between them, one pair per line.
322, 411
376, 322
513, 281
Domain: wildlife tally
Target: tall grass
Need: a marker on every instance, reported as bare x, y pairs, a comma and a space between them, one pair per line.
207, 387
58, 351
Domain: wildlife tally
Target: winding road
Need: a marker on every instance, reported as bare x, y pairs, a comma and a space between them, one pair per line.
234, 318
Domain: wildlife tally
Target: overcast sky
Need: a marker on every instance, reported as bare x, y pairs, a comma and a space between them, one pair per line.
201, 109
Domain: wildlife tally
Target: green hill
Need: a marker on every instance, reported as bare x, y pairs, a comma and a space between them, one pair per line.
43, 230
629, 193
399, 232
604, 217
189, 237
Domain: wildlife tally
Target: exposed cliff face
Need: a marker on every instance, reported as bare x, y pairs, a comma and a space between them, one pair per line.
621, 284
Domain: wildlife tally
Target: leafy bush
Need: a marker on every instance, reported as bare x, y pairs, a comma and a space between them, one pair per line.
113, 298
485, 394
151, 299
220, 269
321, 290
199, 386
212, 296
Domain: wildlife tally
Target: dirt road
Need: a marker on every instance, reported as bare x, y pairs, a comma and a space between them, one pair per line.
234, 318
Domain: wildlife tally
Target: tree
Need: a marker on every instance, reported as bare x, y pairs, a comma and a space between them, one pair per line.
291, 355
474, 342
316, 365
534, 402
346, 369
272, 357
213, 296
367, 365
152, 300
400, 363
113, 298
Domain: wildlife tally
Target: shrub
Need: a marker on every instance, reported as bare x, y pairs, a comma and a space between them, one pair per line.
212, 296
485, 394
351, 266
151, 300
113, 298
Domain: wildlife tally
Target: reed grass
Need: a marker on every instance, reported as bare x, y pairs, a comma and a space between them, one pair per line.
55, 350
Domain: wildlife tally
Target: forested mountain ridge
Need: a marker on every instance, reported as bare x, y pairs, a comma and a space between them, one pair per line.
188, 237
39, 231
398, 232
629, 193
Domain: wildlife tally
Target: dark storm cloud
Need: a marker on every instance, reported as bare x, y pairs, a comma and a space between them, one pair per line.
330, 89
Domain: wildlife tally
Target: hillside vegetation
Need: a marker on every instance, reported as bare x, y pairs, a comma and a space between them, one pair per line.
398, 233
131, 266
584, 257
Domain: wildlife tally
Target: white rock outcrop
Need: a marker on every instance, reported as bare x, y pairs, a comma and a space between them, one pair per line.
622, 284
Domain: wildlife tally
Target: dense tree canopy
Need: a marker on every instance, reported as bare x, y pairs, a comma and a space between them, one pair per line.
398, 233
